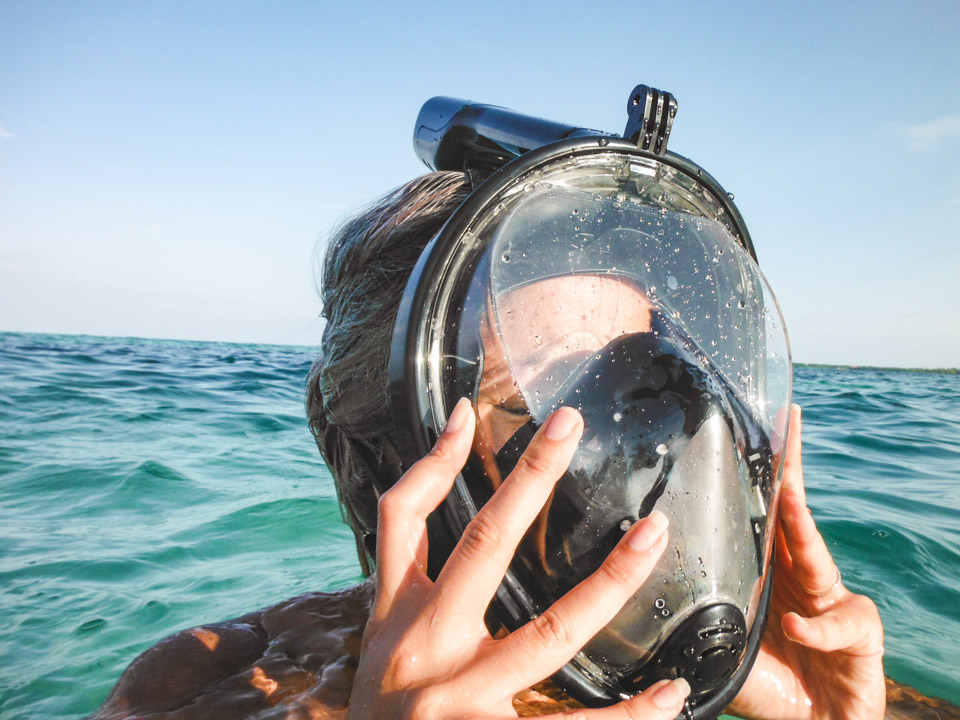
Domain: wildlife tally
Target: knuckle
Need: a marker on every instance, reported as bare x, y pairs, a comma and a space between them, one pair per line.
534, 463
481, 537
441, 453
551, 629
808, 544
434, 618
868, 609
390, 504
616, 570
862, 606
400, 667
423, 703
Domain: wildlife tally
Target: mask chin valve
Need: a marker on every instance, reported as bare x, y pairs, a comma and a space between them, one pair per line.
705, 650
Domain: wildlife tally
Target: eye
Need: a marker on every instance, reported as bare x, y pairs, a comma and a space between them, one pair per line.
515, 406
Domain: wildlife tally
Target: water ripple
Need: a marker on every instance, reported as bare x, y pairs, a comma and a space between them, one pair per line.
147, 486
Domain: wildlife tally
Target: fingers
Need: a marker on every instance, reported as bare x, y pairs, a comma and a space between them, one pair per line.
476, 567
812, 564
661, 701
793, 462
543, 645
852, 626
403, 509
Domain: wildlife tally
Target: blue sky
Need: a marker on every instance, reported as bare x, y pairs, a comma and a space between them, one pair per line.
167, 169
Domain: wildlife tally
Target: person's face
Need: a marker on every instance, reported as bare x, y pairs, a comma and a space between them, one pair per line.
537, 334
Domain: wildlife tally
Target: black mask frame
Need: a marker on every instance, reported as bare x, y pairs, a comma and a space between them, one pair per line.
454, 134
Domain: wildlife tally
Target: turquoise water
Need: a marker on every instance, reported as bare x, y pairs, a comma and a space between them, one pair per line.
147, 486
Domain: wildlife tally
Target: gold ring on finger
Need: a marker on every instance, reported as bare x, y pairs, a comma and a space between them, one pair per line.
828, 590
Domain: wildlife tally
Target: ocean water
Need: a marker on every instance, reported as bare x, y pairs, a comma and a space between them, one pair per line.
147, 486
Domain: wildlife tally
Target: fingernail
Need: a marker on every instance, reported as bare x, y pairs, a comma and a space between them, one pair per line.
671, 693
458, 416
563, 422
649, 531
796, 409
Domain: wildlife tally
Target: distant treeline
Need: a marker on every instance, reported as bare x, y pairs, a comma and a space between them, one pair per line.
944, 371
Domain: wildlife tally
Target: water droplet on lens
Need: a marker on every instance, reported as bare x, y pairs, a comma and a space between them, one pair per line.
660, 603
505, 257
625, 525
662, 449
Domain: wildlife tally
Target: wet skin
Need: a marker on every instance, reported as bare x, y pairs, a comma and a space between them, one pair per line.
295, 660
296, 657
252, 669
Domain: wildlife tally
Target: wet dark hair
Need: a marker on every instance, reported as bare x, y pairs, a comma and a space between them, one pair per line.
365, 269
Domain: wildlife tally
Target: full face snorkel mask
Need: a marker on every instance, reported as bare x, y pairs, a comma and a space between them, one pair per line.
613, 276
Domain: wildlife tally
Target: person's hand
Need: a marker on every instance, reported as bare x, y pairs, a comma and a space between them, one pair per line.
821, 653
426, 651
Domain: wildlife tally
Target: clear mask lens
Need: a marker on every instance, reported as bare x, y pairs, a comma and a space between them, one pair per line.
615, 285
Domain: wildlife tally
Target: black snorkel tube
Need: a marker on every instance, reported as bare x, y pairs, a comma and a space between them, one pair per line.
453, 134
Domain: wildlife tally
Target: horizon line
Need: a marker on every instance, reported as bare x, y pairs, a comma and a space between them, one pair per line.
839, 366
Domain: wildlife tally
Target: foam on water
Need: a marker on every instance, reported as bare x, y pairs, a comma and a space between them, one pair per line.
148, 486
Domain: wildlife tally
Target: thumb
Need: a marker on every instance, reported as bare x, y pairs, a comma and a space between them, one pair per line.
851, 626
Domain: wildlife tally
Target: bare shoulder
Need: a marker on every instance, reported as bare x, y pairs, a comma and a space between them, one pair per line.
300, 654
905, 702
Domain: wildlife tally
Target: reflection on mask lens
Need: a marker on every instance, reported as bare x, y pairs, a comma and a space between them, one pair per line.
614, 285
